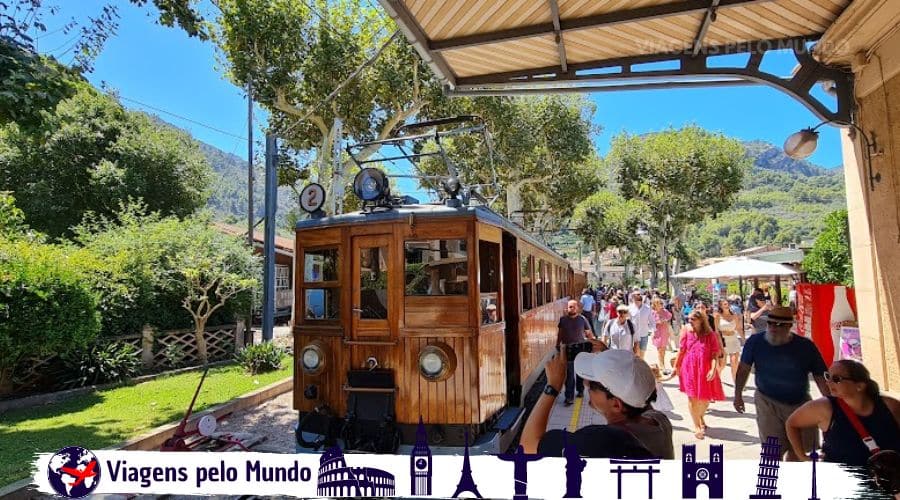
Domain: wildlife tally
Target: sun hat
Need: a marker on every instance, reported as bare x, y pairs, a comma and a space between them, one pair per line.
619, 370
780, 314
622, 308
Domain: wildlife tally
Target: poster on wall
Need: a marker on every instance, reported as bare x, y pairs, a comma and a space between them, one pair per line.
822, 312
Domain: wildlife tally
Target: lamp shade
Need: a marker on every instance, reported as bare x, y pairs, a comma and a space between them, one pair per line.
801, 144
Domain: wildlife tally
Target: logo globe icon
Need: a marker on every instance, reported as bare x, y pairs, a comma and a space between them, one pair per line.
74, 472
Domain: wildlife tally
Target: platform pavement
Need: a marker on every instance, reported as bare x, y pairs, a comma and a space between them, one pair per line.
737, 432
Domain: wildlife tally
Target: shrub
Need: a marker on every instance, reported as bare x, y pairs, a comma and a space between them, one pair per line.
99, 364
174, 355
134, 268
46, 304
260, 358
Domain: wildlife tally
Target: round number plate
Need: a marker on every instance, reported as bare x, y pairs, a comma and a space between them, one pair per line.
312, 198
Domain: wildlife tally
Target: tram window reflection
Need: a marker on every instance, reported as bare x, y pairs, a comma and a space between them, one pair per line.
320, 265
526, 262
437, 267
321, 303
373, 283
490, 312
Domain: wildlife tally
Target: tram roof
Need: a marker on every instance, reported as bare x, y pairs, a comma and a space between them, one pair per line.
479, 46
425, 212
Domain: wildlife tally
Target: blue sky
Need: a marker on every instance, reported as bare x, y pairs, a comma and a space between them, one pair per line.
163, 68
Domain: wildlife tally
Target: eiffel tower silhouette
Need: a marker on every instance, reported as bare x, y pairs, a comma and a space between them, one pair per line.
466, 483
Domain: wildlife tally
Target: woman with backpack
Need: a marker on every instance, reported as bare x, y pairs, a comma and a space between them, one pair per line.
620, 333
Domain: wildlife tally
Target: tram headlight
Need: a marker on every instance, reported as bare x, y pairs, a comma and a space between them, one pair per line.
312, 359
370, 184
437, 361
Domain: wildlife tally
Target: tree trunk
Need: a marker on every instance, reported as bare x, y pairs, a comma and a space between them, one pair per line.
514, 203
6, 386
199, 333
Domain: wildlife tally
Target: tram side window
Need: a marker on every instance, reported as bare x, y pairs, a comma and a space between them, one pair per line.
554, 272
540, 280
437, 267
525, 263
489, 266
548, 282
320, 283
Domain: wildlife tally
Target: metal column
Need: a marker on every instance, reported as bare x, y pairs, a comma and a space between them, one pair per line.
268, 312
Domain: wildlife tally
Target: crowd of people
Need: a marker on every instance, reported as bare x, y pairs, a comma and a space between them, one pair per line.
613, 330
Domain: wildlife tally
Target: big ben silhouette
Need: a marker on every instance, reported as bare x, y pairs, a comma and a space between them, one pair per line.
420, 464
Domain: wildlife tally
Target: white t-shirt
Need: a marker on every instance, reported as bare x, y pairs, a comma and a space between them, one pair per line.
643, 319
619, 335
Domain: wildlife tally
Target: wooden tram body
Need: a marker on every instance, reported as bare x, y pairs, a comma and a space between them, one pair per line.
378, 291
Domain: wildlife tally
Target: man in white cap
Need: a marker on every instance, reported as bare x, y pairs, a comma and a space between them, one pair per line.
621, 387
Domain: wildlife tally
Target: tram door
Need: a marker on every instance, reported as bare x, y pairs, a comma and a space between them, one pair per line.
511, 315
370, 303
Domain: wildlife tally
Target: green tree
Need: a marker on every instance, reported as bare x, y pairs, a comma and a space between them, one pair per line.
95, 155
12, 219
211, 268
683, 176
544, 161
31, 84
607, 220
135, 266
829, 259
294, 58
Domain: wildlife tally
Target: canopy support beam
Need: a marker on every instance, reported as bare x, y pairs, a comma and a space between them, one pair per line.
704, 27
621, 73
557, 30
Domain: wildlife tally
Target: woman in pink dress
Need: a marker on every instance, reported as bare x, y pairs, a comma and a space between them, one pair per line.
700, 359
661, 335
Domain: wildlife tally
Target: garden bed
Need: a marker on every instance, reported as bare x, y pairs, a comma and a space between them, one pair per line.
107, 417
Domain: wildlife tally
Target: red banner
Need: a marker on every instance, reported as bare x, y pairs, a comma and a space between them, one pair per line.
821, 310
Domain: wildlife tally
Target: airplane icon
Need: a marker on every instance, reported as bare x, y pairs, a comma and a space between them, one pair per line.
81, 475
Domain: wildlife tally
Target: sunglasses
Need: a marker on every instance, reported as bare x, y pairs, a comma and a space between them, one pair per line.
779, 323
837, 379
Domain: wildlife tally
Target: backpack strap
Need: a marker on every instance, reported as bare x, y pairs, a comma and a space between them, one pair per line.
867, 438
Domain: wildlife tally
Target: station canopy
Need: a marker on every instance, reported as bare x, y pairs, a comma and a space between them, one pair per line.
490, 47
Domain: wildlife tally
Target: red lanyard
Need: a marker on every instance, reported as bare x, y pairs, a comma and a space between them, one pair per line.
867, 438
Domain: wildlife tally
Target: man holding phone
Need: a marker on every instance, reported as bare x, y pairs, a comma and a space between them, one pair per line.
573, 328
758, 311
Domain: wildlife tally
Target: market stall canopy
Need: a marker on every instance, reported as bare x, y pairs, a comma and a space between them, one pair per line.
738, 267
481, 47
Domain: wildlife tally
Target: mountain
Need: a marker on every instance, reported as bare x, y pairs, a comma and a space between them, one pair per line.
783, 201
769, 157
228, 199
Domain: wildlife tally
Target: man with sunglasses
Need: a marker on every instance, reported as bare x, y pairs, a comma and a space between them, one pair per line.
783, 364
619, 386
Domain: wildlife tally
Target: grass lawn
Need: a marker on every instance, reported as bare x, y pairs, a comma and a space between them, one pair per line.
104, 418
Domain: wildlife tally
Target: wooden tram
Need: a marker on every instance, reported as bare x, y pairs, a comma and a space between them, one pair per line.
407, 313
421, 311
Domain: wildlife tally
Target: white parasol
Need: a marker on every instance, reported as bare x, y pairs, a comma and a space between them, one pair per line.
738, 267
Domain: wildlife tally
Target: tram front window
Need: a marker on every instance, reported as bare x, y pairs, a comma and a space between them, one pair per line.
437, 267
373, 283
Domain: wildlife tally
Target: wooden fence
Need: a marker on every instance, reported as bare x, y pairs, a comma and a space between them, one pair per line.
156, 350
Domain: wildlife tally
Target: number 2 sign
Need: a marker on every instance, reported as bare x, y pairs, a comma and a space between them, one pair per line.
312, 198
